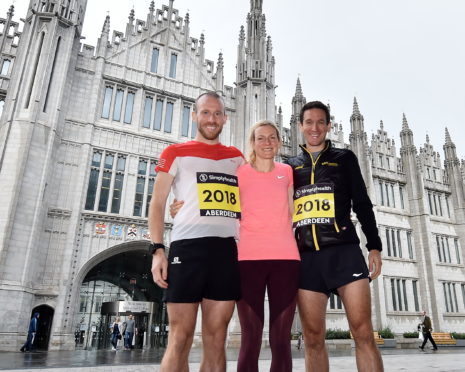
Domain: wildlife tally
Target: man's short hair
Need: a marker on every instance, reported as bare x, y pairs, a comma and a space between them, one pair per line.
209, 94
314, 105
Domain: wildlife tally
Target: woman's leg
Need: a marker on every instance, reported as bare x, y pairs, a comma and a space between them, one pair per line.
282, 296
251, 313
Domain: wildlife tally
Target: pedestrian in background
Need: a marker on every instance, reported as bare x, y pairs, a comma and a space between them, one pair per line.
31, 333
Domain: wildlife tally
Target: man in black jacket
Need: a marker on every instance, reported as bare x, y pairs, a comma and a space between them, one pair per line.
328, 183
426, 328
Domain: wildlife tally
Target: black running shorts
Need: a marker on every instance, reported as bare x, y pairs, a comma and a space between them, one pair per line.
203, 268
330, 268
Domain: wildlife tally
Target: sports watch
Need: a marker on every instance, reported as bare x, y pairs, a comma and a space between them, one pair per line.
153, 247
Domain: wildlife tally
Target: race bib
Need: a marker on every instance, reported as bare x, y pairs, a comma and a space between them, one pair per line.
218, 195
314, 204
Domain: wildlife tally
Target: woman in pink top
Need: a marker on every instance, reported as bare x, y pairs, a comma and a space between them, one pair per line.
268, 255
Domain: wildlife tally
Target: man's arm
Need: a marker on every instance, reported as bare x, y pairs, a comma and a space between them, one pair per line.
161, 190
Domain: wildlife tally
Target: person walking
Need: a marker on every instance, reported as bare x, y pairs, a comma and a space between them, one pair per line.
31, 333
115, 333
129, 332
426, 329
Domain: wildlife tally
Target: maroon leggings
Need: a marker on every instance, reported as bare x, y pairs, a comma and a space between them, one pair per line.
280, 278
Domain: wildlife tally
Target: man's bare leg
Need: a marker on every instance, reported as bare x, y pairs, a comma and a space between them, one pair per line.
312, 310
182, 318
215, 319
357, 303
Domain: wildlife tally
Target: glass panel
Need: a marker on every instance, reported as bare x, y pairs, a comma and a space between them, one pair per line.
169, 117
405, 295
154, 62
104, 191
117, 189
393, 294
92, 189
96, 159
415, 295
147, 112
409, 243
129, 107
107, 102
121, 164
173, 62
142, 167
5, 67
158, 115
388, 242
457, 251
185, 121
139, 197
194, 129
152, 172
399, 244
109, 161
399, 295
149, 197
118, 105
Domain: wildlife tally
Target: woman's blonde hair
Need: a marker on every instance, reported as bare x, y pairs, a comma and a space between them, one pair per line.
262, 123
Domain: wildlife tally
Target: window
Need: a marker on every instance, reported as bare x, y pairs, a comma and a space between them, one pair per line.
129, 108
143, 188
105, 182
415, 294
335, 302
118, 104
392, 196
463, 294
118, 98
401, 192
399, 245
388, 242
107, 102
399, 294
5, 67
154, 62
381, 164
2, 105
158, 115
173, 61
409, 245
388, 163
381, 192
93, 180
447, 205
186, 111
450, 297
169, 117
147, 112
457, 251
430, 204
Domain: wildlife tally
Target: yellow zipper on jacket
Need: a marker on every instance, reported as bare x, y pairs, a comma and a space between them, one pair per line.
312, 181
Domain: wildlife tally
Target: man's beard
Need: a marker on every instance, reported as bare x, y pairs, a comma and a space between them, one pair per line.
209, 136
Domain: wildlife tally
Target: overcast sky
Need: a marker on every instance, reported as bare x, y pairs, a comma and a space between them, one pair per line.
395, 56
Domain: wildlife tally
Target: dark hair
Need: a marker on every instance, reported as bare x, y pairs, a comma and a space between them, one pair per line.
209, 94
314, 105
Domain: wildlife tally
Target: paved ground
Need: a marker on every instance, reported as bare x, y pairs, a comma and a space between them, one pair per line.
444, 360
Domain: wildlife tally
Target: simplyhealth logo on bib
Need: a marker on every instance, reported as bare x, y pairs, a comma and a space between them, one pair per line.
314, 204
218, 195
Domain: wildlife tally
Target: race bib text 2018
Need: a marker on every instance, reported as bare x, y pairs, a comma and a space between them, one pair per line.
314, 204
218, 195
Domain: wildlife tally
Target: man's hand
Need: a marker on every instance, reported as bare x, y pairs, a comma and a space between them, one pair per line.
160, 268
175, 207
374, 263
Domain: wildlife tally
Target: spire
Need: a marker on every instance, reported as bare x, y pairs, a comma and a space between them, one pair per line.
355, 110
404, 122
186, 18
11, 11
242, 34
202, 39
220, 64
152, 6
427, 138
280, 110
269, 45
131, 16
448, 139
381, 125
298, 89
106, 25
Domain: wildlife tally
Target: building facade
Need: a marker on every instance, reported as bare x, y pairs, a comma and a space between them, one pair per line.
81, 130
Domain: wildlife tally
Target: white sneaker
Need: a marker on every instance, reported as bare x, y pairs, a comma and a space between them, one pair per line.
113, 348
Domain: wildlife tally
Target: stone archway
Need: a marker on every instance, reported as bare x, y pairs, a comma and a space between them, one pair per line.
120, 273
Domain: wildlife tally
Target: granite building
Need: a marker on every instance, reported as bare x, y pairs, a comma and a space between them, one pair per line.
81, 129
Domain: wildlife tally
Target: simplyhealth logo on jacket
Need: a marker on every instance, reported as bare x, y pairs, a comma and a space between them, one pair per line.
338, 167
